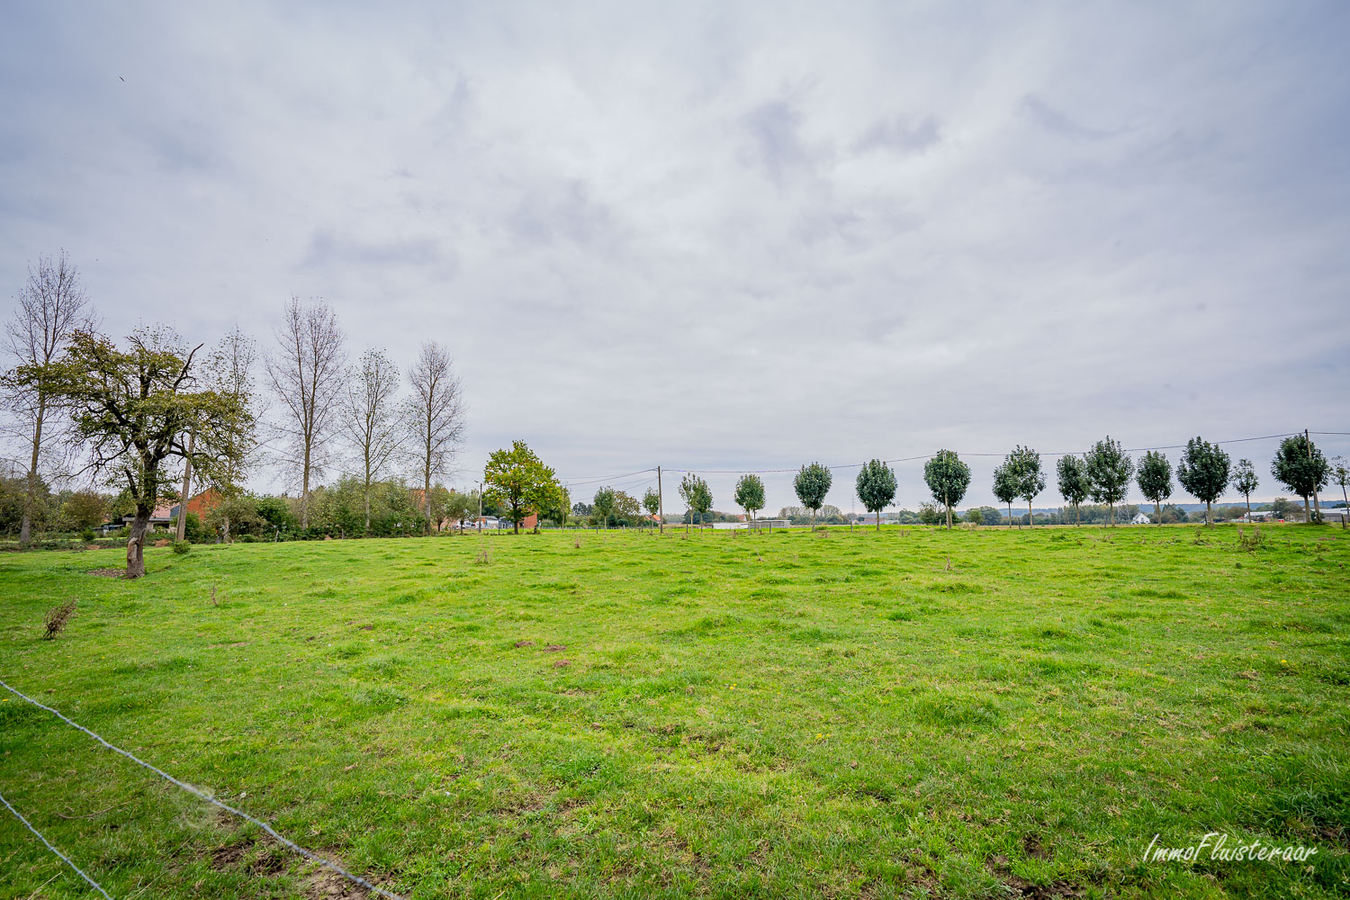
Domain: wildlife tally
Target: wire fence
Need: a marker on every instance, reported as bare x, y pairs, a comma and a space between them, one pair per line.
65, 859
308, 854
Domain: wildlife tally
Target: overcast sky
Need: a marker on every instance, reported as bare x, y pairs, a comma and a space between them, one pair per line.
725, 236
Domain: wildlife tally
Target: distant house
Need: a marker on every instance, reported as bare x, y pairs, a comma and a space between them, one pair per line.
200, 505
1141, 519
162, 516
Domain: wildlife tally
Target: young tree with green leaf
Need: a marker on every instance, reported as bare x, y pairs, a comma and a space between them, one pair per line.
1025, 464
947, 479
651, 501
1340, 474
876, 487
1155, 480
1108, 469
133, 408
1245, 481
1301, 467
750, 495
812, 485
519, 481
1005, 487
602, 506
1073, 482
697, 497
1203, 472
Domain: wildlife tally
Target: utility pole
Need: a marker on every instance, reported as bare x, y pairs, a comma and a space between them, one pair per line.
187, 485
660, 502
1317, 506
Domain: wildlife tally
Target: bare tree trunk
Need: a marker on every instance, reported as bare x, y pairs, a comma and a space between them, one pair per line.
304, 492
1249, 506
949, 517
1031, 515
30, 493
187, 486
1307, 510
1157, 510
1208, 520
136, 544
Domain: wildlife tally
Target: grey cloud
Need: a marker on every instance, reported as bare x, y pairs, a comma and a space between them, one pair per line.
900, 134
966, 229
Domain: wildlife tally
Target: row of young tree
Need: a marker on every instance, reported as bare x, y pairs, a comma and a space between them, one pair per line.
139, 413
1104, 474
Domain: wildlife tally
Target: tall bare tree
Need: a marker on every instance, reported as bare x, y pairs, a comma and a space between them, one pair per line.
305, 373
51, 307
229, 372
370, 417
435, 415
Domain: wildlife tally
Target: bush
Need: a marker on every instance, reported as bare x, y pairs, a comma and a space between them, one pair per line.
181, 547
247, 539
87, 535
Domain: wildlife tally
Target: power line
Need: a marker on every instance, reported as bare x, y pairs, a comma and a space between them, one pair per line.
64, 858
356, 879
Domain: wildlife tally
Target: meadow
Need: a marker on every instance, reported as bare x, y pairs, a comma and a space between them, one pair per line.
910, 713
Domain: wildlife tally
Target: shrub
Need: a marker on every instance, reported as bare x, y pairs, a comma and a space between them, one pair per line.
87, 535
57, 619
181, 547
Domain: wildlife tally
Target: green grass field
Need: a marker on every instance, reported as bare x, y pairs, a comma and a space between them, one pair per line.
790, 715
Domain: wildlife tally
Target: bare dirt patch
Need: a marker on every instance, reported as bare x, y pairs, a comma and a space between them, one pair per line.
109, 573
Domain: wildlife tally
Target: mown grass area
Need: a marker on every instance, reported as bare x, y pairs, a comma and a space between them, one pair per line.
910, 713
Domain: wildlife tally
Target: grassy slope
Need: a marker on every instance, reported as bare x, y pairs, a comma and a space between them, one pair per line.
733, 715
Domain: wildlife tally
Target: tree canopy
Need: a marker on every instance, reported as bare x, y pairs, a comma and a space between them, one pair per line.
876, 487
1108, 469
750, 494
947, 479
1073, 481
1155, 480
133, 410
1203, 472
1301, 467
1025, 466
519, 481
812, 485
1005, 487
697, 496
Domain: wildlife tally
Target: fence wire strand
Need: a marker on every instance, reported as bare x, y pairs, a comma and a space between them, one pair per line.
65, 859
355, 879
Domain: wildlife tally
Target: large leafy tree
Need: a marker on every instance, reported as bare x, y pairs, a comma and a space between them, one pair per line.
697, 496
518, 481
1108, 469
875, 487
948, 478
1005, 487
1073, 482
1301, 467
812, 485
133, 407
750, 494
1025, 464
1155, 480
1245, 481
1203, 472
